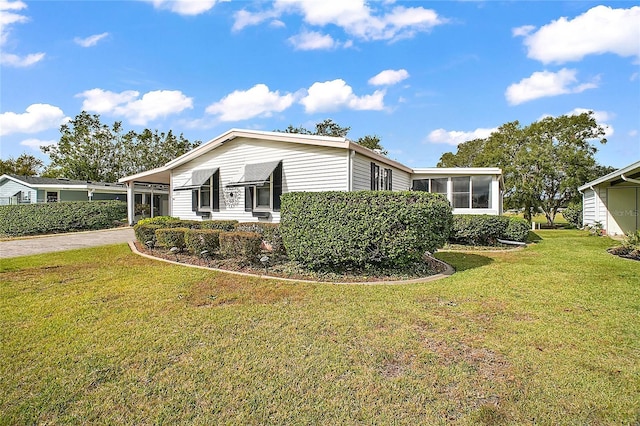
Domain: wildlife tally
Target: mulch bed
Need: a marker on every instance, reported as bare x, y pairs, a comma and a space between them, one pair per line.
625, 252
283, 268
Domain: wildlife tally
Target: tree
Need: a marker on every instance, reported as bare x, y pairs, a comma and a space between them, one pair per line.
24, 165
543, 163
329, 128
93, 151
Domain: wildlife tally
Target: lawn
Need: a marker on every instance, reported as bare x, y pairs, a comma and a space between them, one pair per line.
545, 335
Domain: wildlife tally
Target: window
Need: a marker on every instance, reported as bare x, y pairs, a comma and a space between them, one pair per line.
381, 179
52, 197
461, 192
263, 196
207, 196
420, 185
387, 181
266, 196
439, 185
375, 177
481, 192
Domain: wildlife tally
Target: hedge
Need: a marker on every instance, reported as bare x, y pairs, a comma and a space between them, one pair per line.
146, 232
241, 245
49, 218
223, 225
270, 233
197, 240
170, 222
487, 229
355, 229
171, 237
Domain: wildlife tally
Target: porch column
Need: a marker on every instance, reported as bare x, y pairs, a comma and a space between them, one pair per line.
131, 203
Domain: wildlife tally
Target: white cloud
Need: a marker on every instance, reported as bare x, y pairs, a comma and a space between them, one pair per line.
312, 40
546, 83
336, 94
356, 17
257, 101
91, 40
599, 30
152, 105
456, 137
8, 17
38, 117
185, 7
389, 77
36, 144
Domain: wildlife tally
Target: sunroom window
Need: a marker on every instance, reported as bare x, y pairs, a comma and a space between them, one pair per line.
481, 192
461, 192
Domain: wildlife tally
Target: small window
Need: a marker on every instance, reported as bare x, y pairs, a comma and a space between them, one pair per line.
439, 185
205, 194
52, 197
388, 183
461, 192
420, 185
263, 196
481, 192
375, 177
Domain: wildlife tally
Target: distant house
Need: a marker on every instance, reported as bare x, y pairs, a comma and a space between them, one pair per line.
16, 189
242, 173
613, 200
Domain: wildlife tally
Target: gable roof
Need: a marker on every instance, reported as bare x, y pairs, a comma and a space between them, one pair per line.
162, 173
632, 171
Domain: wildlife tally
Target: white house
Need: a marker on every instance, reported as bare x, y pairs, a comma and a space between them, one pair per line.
242, 173
16, 189
613, 200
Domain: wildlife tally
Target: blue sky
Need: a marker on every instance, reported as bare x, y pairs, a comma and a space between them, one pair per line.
423, 76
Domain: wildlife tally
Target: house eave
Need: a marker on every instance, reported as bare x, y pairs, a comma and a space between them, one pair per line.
626, 171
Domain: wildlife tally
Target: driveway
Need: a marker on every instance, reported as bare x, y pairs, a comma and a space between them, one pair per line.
61, 242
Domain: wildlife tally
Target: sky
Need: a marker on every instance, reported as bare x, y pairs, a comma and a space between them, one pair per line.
422, 76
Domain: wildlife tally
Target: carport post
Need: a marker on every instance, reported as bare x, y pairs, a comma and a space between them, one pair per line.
131, 203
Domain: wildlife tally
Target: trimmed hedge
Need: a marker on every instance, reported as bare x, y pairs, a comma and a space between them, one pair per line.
146, 232
50, 218
270, 233
171, 237
197, 240
487, 229
241, 245
355, 229
223, 225
170, 222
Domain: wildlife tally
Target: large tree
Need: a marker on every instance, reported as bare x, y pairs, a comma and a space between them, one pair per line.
543, 163
328, 127
91, 150
24, 165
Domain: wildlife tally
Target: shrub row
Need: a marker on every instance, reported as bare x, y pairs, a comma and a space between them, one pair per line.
50, 218
355, 229
486, 229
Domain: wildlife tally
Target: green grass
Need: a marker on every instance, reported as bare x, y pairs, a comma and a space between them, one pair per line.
545, 335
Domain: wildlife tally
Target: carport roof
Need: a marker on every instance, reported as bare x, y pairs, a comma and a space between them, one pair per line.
632, 171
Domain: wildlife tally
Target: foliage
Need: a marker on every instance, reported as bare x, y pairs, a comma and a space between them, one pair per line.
145, 232
197, 240
170, 222
171, 237
543, 163
240, 245
24, 165
50, 218
573, 214
487, 229
270, 233
596, 229
102, 336
353, 229
223, 225
329, 128
631, 240
91, 150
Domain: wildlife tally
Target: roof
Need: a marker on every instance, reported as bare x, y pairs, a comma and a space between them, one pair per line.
458, 170
44, 182
631, 171
161, 174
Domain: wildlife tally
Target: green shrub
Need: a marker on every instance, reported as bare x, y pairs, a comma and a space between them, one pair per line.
170, 222
49, 218
485, 230
223, 225
355, 229
517, 230
145, 232
197, 240
270, 233
631, 240
171, 237
573, 215
244, 246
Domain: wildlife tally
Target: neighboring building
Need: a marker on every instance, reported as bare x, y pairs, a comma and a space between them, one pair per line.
613, 200
242, 173
16, 189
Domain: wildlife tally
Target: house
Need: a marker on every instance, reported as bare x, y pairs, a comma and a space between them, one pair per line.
613, 200
242, 173
16, 189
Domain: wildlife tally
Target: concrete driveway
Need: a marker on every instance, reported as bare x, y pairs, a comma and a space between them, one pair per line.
61, 242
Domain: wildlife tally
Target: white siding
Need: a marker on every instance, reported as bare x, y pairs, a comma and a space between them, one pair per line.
304, 168
9, 188
594, 206
401, 180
